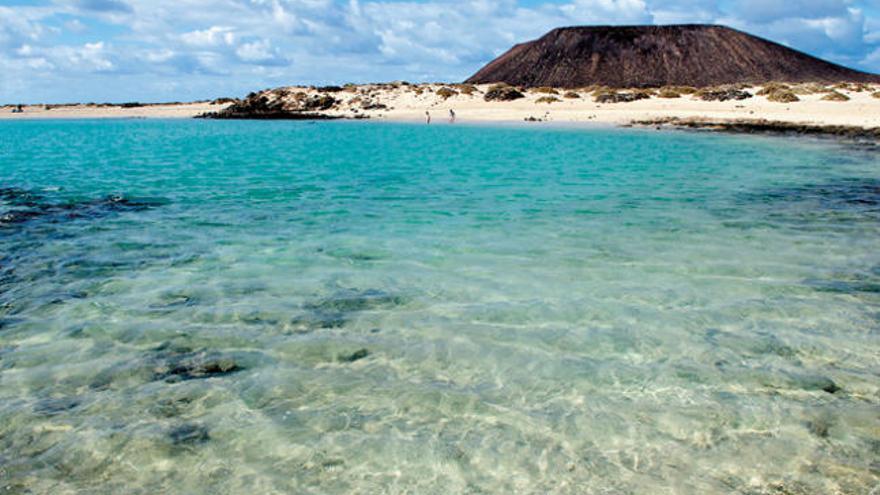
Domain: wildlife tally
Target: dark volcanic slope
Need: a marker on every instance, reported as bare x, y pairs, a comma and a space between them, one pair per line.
649, 56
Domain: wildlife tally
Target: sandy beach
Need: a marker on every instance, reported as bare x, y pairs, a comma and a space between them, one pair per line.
405, 102
85, 111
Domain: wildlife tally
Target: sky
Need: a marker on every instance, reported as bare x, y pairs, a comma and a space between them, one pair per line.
56, 51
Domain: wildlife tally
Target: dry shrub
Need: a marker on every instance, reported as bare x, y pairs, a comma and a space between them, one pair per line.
669, 93
547, 99
835, 96
571, 95
773, 87
876, 95
446, 93
809, 89
854, 87
601, 90
602, 95
782, 96
544, 90
466, 89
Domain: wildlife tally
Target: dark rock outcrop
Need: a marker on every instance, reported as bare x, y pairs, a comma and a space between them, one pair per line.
277, 104
723, 95
654, 56
613, 97
502, 92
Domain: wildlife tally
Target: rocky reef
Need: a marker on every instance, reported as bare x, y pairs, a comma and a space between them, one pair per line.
763, 126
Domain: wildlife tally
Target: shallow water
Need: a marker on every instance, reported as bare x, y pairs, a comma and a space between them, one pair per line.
340, 307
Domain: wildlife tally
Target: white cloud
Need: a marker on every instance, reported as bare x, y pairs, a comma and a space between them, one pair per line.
91, 56
260, 52
16, 28
607, 11
211, 37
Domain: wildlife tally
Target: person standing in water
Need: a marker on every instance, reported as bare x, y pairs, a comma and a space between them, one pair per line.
451, 116
427, 117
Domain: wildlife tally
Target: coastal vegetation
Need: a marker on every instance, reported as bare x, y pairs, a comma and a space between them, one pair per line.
446, 93
780, 95
835, 96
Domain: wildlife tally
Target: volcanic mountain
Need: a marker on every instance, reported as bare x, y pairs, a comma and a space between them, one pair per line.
651, 56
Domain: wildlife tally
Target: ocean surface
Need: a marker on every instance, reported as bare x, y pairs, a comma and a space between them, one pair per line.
353, 307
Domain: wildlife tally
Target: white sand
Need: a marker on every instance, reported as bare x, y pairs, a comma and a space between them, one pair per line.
404, 104
862, 110
165, 111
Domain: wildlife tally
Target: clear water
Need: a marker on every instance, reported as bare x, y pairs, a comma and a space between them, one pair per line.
283, 307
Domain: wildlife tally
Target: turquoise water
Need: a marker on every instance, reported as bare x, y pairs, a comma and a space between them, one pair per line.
340, 307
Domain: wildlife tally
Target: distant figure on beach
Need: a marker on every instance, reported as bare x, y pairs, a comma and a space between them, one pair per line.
427, 117
451, 116
17, 109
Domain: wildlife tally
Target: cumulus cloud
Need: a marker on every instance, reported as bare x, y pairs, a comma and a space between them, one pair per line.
214, 36
260, 52
607, 11
253, 43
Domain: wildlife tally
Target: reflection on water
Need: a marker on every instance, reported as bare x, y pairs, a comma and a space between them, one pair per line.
275, 307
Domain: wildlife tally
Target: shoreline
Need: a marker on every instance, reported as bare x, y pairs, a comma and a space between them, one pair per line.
847, 111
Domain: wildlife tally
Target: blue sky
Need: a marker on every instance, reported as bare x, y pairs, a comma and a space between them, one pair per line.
162, 50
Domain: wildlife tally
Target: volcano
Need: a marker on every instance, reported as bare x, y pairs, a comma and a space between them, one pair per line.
653, 56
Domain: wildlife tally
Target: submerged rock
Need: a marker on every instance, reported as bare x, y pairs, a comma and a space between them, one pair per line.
839, 194
195, 366
815, 383
336, 310
189, 434
355, 356
821, 427
51, 407
171, 407
351, 300
174, 363
19, 197
27, 207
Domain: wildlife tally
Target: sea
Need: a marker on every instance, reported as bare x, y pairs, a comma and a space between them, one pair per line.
251, 307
